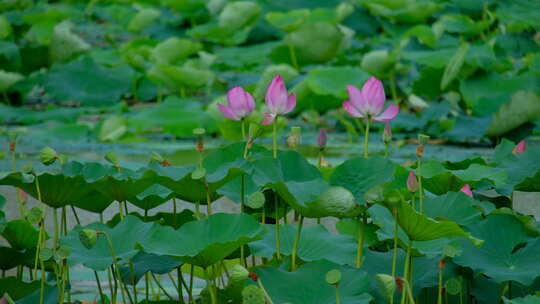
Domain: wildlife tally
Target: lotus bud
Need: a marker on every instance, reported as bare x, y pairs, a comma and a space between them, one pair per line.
48, 156
423, 139
333, 277
386, 285
159, 159
239, 273
467, 190
253, 295
321, 139
111, 158
387, 133
294, 137
88, 237
520, 148
412, 182
199, 133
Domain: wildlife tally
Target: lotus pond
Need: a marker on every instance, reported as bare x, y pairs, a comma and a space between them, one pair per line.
301, 151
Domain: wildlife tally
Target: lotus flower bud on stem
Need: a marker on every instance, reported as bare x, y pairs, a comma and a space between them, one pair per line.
386, 285
239, 273
12, 140
159, 159
412, 182
112, 159
520, 147
199, 133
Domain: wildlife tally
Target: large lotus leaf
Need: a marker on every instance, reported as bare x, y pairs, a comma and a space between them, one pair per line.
498, 257
8, 79
50, 296
87, 82
486, 94
454, 206
519, 15
65, 44
205, 242
20, 234
175, 77
174, 49
409, 11
291, 175
288, 21
123, 236
165, 117
477, 173
383, 218
523, 171
316, 42
142, 19
358, 175
238, 15
316, 243
16, 288
530, 299
214, 33
146, 262
307, 285
152, 197
10, 257
422, 228
522, 108
425, 270
333, 80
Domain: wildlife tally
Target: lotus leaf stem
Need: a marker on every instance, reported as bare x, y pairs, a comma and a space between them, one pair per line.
406, 270
362, 224
296, 243
261, 286
440, 287
394, 256
278, 236
366, 139
100, 289
161, 287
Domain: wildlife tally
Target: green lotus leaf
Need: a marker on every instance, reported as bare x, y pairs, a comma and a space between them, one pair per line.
89, 82
146, 262
152, 197
358, 175
174, 50
20, 234
238, 15
16, 288
419, 227
123, 236
288, 21
316, 42
142, 19
453, 206
333, 80
8, 79
316, 243
307, 285
409, 11
498, 258
205, 242
530, 299
65, 44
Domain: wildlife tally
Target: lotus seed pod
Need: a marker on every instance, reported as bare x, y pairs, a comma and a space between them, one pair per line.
386, 285
453, 286
253, 295
48, 156
88, 238
239, 273
333, 277
255, 200
423, 139
337, 201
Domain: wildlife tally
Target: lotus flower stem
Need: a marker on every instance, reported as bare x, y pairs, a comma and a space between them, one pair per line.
292, 53
440, 287
420, 187
210, 285
278, 236
41, 235
361, 236
161, 287
409, 292
406, 269
116, 273
394, 257
42, 291
242, 202
55, 239
208, 200
274, 144
261, 286
366, 139
338, 299
296, 242
243, 124
120, 210
75, 215
190, 290
101, 295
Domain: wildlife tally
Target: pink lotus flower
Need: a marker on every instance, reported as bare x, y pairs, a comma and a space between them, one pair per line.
240, 104
277, 100
321, 139
467, 190
520, 148
412, 182
368, 103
